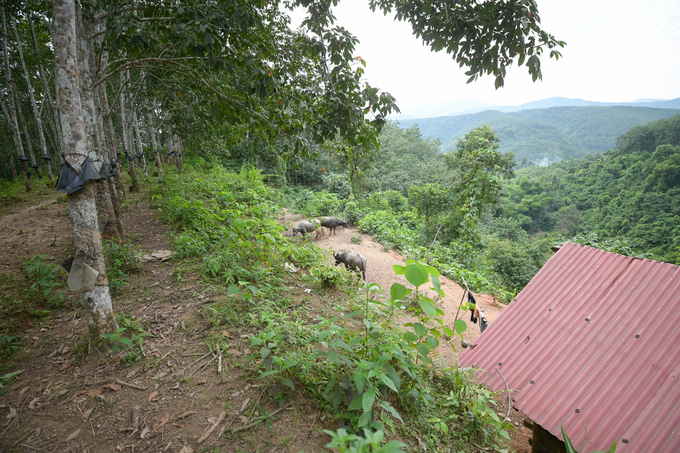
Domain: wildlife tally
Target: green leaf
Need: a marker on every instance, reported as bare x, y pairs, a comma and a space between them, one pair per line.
288, 383
356, 403
437, 285
233, 289
368, 399
388, 382
392, 411
460, 326
420, 329
423, 349
567, 441
360, 380
416, 274
448, 331
399, 269
397, 291
432, 342
433, 271
428, 308
365, 418
411, 337
239, 223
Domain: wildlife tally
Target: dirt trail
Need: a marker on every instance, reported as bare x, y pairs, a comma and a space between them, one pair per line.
379, 270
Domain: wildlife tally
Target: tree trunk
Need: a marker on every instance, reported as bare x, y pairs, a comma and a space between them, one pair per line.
52, 115
36, 113
89, 258
154, 146
9, 153
129, 151
114, 150
105, 213
29, 145
140, 148
11, 114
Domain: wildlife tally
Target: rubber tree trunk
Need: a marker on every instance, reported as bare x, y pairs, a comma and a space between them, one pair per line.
52, 114
110, 132
105, 213
27, 135
129, 151
36, 113
151, 132
140, 147
9, 153
11, 111
82, 208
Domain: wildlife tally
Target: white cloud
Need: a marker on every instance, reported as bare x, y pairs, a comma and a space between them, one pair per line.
616, 51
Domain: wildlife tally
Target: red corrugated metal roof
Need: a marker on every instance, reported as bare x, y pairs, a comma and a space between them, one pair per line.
593, 339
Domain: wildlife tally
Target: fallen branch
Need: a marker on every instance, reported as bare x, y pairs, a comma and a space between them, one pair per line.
212, 428
508, 392
250, 425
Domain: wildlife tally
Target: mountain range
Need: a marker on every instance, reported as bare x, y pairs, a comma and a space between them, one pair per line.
468, 106
544, 135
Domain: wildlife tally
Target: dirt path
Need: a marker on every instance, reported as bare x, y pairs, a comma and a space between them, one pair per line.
379, 270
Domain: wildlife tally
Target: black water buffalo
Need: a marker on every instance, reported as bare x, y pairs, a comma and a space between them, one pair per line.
352, 260
332, 223
303, 228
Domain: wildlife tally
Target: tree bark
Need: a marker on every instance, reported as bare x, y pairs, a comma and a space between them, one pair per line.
154, 145
82, 209
36, 113
140, 147
105, 213
9, 153
52, 115
129, 151
29, 145
11, 114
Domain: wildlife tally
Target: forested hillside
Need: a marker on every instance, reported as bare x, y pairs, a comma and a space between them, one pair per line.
542, 136
631, 192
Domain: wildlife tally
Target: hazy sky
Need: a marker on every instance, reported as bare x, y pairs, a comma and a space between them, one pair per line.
617, 50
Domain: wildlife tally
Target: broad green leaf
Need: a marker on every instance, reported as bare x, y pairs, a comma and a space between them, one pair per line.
233, 289
365, 418
388, 382
448, 331
389, 408
359, 380
428, 308
416, 274
394, 376
437, 285
239, 223
355, 405
460, 326
399, 269
397, 291
368, 399
433, 271
411, 337
420, 329
432, 342
288, 383
423, 349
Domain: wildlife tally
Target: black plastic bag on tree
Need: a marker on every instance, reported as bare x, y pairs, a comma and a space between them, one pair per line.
70, 181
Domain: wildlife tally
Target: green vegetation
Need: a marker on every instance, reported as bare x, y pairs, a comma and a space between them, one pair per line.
350, 355
626, 199
542, 136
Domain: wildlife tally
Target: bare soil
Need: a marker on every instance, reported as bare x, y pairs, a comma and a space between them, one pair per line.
379, 269
66, 401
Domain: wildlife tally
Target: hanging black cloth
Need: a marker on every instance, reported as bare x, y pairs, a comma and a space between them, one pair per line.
71, 181
475, 314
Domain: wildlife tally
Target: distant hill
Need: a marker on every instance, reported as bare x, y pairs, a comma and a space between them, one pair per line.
465, 106
549, 134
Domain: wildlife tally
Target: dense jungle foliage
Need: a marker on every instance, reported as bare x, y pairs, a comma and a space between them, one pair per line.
542, 136
494, 233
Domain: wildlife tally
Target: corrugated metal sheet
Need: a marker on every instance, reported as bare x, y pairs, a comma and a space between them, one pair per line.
593, 339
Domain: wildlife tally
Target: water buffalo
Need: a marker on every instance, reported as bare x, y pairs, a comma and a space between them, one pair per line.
332, 223
352, 260
303, 228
